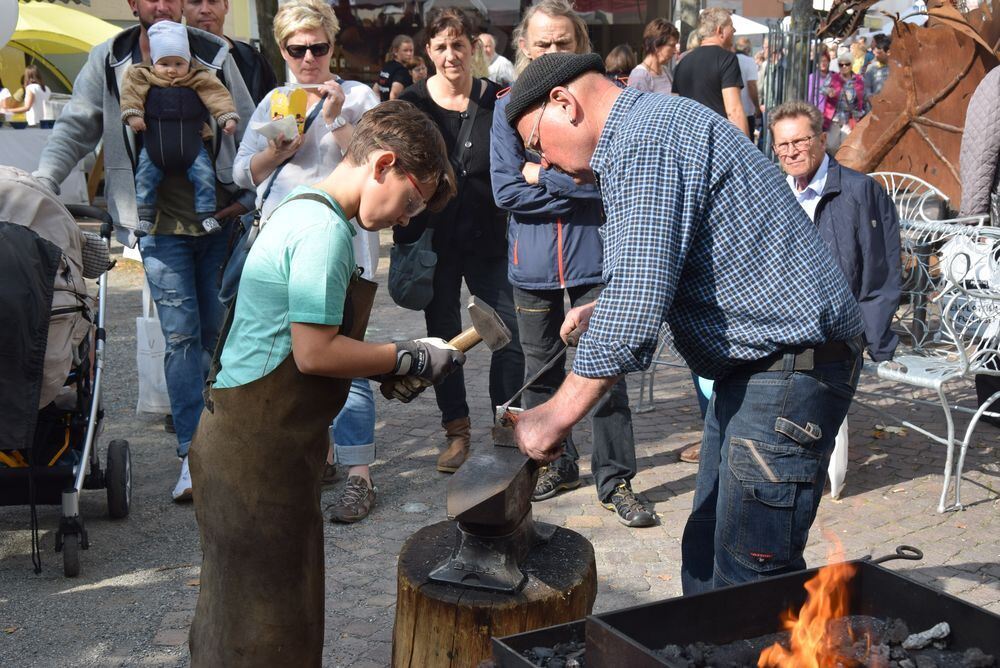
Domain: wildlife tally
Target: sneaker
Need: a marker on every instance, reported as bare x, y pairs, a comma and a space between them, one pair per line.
553, 479
211, 225
629, 509
354, 504
168, 424
182, 490
142, 228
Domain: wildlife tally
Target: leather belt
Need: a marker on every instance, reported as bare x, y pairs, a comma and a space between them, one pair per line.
807, 359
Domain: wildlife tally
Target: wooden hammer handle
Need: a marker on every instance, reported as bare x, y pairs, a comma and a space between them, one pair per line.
466, 339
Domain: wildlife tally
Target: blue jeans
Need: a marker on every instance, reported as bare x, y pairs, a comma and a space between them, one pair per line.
487, 279
353, 430
201, 174
764, 453
540, 313
183, 276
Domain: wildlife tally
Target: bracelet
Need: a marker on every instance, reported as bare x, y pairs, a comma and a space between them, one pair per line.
338, 123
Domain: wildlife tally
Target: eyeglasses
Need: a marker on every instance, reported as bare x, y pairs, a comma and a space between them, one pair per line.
413, 209
531, 149
298, 51
794, 146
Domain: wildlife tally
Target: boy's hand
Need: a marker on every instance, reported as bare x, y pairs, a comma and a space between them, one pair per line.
430, 359
136, 123
230, 127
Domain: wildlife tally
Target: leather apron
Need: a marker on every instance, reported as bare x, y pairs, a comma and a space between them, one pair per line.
256, 462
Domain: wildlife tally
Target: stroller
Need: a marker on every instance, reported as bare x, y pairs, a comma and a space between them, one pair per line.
52, 363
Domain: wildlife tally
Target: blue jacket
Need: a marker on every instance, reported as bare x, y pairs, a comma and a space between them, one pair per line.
858, 221
554, 228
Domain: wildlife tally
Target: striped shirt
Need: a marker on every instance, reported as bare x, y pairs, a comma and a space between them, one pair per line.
703, 233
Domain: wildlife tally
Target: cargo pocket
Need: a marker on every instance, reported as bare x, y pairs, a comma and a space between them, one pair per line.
768, 490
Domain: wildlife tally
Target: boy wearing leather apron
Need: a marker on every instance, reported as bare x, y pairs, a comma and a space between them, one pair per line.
295, 342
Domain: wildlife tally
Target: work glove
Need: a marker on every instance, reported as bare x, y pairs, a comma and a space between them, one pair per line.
431, 359
420, 364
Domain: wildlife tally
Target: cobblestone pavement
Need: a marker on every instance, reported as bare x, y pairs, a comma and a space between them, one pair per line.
134, 599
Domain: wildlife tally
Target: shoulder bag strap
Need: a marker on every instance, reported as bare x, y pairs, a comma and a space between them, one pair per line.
216, 365
462, 144
277, 170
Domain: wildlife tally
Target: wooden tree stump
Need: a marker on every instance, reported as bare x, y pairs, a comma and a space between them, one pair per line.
446, 625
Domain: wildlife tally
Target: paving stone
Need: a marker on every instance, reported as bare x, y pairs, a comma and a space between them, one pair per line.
171, 637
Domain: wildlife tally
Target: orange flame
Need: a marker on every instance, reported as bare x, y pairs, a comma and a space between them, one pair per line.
811, 644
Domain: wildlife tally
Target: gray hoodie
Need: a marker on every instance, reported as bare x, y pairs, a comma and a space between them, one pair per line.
94, 114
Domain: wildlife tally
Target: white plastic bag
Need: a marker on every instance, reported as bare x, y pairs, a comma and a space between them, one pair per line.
150, 347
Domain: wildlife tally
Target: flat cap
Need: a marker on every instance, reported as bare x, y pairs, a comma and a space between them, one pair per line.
545, 73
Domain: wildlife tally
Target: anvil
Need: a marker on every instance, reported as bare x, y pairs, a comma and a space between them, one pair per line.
489, 498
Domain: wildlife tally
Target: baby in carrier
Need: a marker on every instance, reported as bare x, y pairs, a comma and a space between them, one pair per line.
170, 101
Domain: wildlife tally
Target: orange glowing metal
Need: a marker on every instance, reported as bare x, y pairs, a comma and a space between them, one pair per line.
811, 643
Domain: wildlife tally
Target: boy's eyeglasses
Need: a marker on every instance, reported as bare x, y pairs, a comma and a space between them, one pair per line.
414, 208
298, 51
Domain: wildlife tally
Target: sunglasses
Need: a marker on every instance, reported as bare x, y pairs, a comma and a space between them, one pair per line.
298, 51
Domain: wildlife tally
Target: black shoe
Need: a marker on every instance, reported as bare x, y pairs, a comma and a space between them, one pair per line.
554, 479
629, 509
354, 504
168, 424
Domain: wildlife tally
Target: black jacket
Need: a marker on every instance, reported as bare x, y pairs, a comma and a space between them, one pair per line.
255, 70
858, 221
471, 223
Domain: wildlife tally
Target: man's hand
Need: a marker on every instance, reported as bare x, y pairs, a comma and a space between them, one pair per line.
333, 104
136, 123
228, 212
576, 319
530, 172
431, 359
283, 149
539, 434
230, 127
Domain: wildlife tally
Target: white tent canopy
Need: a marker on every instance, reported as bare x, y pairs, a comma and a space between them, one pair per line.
745, 26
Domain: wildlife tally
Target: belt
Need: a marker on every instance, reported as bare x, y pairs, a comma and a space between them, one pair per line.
807, 359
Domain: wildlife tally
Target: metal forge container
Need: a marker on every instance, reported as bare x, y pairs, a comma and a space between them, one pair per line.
630, 636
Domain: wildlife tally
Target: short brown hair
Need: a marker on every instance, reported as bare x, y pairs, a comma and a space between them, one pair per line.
449, 19
796, 109
400, 127
658, 33
620, 60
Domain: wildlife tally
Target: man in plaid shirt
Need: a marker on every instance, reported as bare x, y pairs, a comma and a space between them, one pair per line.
702, 233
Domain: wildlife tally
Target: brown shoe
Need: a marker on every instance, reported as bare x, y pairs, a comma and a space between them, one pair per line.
691, 454
458, 433
329, 475
355, 502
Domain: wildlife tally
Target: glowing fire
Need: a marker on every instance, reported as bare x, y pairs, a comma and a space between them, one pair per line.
812, 646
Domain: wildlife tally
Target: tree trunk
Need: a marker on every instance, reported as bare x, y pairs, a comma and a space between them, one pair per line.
266, 9
444, 625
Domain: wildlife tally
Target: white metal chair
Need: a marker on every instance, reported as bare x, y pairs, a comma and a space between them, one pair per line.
949, 325
915, 199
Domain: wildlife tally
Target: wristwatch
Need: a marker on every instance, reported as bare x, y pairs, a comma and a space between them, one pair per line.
338, 123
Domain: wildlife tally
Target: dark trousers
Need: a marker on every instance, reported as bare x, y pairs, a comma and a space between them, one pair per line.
487, 279
540, 313
764, 454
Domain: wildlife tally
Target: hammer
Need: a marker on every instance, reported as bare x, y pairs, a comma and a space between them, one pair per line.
486, 326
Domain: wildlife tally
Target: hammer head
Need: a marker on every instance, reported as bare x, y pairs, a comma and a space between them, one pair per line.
488, 324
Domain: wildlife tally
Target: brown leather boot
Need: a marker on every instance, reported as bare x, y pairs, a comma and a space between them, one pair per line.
457, 432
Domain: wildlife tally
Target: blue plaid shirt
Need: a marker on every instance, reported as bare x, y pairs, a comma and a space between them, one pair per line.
703, 233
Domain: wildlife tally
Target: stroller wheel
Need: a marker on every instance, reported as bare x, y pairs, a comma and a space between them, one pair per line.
118, 478
71, 555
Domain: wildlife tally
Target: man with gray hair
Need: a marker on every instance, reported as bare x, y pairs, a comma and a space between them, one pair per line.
501, 69
711, 73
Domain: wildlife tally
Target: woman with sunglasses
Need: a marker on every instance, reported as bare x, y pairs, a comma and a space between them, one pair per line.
305, 31
470, 234
845, 103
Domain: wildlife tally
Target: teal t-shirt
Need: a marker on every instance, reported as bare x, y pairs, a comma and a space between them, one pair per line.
297, 271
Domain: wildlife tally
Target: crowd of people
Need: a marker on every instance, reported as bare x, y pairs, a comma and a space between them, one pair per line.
627, 187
